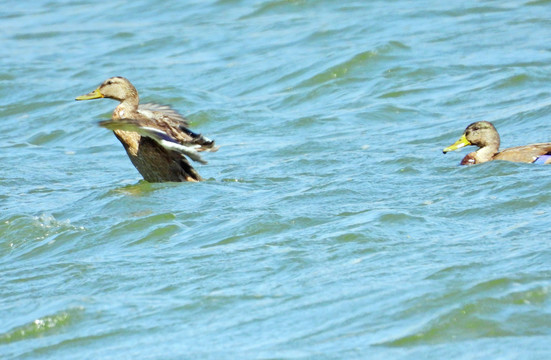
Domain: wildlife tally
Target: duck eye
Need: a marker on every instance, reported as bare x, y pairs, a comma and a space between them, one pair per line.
109, 82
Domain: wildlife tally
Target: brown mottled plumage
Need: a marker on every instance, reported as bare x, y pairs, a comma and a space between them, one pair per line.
484, 135
155, 137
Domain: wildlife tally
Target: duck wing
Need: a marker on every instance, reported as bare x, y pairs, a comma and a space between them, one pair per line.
173, 123
158, 111
526, 153
161, 137
202, 142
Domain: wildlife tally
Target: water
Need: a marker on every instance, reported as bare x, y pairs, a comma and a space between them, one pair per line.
330, 225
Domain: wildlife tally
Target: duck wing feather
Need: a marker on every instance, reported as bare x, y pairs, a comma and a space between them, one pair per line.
173, 123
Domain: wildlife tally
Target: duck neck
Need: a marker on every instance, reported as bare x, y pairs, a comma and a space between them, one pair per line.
126, 107
131, 102
486, 153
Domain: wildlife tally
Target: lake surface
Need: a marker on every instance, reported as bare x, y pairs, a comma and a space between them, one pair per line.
330, 224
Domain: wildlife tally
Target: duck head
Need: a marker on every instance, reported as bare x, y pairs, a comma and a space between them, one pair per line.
481, 134
116, 88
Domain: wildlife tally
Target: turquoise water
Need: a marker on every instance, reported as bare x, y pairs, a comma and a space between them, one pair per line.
330, 225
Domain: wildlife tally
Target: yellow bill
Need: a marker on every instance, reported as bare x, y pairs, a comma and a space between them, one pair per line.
96, 94
462, 142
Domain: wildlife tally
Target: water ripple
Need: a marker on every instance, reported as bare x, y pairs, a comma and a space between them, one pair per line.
43, 326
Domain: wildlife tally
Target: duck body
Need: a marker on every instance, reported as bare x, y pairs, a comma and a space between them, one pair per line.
155, 137
484, 135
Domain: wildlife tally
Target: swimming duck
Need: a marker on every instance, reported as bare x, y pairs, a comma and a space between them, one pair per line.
484, 135
155, 137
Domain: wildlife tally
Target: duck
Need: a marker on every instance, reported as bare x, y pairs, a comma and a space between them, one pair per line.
156, 137
484, 135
